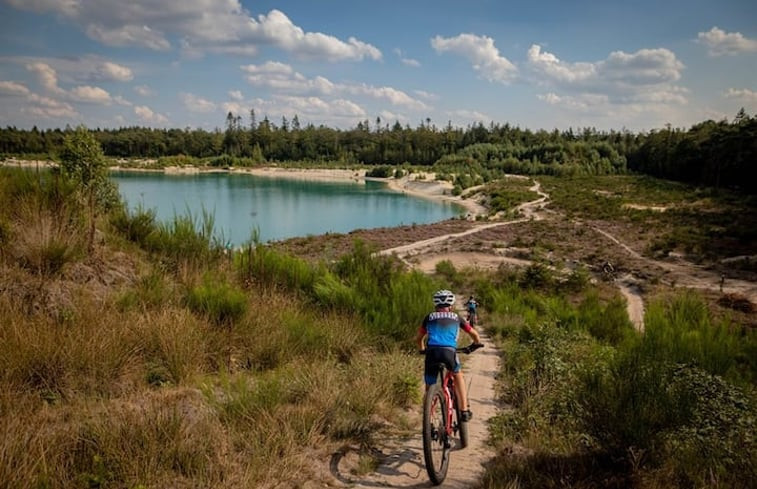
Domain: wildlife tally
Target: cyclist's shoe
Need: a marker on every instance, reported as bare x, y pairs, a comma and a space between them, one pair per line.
466, 415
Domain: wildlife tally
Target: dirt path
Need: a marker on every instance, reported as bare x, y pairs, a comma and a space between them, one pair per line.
401, 460
528, 209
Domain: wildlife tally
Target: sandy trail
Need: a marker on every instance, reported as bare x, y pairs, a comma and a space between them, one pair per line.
401, 460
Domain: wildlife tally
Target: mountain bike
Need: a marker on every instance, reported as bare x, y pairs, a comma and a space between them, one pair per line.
472, 318
442, 421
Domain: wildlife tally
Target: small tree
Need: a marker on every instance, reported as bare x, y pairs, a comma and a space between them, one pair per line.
83, 161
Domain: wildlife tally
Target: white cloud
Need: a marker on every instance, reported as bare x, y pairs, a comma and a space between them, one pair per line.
90, 94
580, 102
470, 115
638, 81
390, 118
553, 68
112, 71
236, 95
144, 90
407, 61
282, 77
276, 28
741, 94
337, 112
426, 95
193, 103
13, 88
129, 35
146, 114
644, 67
122, 101
49, 108
46, 76
198, 26
481, 52
721, 43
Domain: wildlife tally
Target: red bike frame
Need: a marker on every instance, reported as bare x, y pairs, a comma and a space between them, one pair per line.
448, 386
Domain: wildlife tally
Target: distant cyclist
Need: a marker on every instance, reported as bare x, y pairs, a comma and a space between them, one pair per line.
440, 330
472, 307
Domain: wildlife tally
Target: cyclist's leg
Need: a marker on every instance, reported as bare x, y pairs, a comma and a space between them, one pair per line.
462, 396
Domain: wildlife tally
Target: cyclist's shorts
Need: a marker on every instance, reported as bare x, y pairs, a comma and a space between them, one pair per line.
435, 356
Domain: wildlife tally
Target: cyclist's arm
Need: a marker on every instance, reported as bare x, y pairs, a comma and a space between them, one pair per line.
466, 326
421, 337
474, 335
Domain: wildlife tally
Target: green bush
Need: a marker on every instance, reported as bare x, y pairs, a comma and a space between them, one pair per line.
137, 225
380, 172
220, 301
606, 322
185, 240
682, 331
447, 270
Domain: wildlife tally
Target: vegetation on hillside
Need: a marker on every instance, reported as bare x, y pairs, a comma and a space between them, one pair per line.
146, 355
158, 360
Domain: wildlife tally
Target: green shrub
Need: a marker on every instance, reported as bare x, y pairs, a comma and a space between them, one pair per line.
380, 172
682, 331
536, 276
186, 241
606, 322
220, 301
136, 226
447, 270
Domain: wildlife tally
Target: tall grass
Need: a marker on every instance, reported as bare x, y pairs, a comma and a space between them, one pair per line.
42, 228
388, 300
671, 408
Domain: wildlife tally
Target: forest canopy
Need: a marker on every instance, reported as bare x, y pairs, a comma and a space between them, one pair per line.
712, 153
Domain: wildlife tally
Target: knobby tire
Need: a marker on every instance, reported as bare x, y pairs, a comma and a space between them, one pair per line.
462, 427
436, 446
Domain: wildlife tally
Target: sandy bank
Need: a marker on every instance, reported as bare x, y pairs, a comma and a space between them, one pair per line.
418, 185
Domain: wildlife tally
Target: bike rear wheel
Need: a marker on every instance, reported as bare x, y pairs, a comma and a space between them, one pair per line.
436, 443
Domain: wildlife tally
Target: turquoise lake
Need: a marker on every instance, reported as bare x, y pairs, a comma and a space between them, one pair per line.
278, 208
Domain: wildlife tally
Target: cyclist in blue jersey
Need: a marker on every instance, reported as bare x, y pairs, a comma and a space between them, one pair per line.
437, 336
472, 306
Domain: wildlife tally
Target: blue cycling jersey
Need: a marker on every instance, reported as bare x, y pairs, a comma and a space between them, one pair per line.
442, 328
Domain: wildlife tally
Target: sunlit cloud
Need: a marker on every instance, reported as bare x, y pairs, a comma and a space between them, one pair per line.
481, 52
144, 91
743, 94
283, 78
199, 26
194, 103
721, 43
13, 88
146, 114
90, 94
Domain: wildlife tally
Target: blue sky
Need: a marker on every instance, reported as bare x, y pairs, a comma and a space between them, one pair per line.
545, 65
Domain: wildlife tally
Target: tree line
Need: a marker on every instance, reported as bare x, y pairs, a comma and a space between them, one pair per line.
713, 153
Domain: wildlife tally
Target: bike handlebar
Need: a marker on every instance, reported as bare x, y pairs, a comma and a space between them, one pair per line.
466, 349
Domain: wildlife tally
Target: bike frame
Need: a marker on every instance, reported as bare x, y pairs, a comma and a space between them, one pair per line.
448, 386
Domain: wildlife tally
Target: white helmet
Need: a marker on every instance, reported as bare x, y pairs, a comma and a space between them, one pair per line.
443, 298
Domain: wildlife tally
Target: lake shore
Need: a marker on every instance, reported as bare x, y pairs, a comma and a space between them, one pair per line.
423, 185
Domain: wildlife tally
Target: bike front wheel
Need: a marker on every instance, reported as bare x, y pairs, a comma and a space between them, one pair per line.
436, 442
